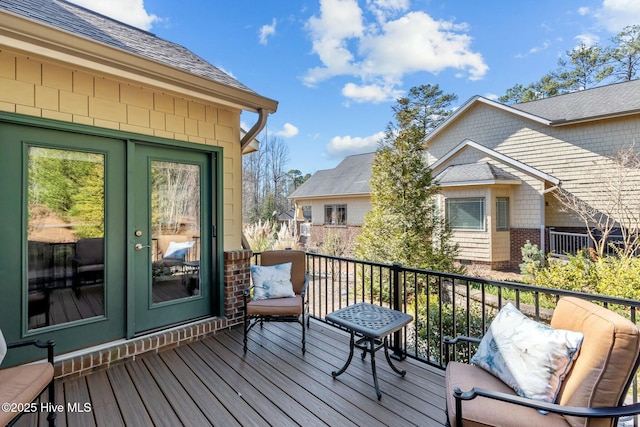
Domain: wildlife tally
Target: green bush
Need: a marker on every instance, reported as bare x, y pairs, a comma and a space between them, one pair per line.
429, 339
533, 259
612, 276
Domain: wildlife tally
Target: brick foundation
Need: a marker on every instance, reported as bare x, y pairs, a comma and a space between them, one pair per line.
236, 278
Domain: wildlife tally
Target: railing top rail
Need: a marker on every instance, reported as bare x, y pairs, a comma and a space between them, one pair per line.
567, 233
505, 284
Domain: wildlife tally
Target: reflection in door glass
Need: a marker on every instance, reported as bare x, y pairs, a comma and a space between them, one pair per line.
65, 236
175, 222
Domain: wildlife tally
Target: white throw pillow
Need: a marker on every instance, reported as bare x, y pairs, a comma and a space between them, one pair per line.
272, 281
3, 347
178, 250
530, 357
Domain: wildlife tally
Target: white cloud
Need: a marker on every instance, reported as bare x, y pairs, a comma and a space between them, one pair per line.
131, 12
379, 52
371, 93
342, 146
587, 39
384, 9
288, 131
340, 20
544, 46
582, 11
617, 14
266, 31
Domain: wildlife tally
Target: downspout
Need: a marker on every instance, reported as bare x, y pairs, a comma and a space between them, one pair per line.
544, 223
255, 129
248, 137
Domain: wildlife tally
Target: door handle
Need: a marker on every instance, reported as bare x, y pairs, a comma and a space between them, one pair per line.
139, 246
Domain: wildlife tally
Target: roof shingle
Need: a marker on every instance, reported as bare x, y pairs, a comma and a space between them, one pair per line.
473, 172
350, 177
86, 23
614, 99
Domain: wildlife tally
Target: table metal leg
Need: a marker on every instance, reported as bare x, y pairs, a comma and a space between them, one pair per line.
386, 353
351, 347
372, 347
369, 345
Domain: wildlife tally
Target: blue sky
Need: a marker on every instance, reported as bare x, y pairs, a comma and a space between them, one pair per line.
337, 66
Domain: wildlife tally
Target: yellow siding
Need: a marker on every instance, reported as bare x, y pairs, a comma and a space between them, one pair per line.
38, 87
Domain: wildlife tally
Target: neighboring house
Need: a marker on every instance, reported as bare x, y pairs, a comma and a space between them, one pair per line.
335, 200
120, 172
499, 166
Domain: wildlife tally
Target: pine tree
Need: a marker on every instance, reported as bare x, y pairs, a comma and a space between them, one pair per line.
404, 224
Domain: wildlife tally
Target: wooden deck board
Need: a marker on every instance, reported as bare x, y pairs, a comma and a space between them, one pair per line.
76, 392
356, 383
355, 403
148, 381
196, 389
247, 387
131, 406
213, 382
297, 386
103, 401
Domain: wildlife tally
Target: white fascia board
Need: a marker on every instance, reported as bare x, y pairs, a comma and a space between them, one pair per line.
328, 196
483, 183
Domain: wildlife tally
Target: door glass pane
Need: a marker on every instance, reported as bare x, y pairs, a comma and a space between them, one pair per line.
65, 236
175, 230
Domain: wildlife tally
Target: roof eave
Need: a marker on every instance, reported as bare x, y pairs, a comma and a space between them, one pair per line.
31, 37
328, 196
486, 182
565, 122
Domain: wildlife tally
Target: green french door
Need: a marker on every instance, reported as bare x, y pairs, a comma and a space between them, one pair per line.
171, 236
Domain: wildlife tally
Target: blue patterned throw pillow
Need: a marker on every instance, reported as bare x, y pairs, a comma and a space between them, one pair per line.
530, 357
272, 281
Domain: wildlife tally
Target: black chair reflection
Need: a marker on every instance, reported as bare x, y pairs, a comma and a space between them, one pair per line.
88, 263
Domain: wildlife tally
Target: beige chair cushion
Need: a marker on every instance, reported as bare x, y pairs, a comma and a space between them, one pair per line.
607, 357
22, 384
276, 306
488, 412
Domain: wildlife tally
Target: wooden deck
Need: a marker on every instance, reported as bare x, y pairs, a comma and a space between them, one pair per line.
211, 383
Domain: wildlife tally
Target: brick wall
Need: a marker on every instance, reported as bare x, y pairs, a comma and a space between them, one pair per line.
236, 278
519, 237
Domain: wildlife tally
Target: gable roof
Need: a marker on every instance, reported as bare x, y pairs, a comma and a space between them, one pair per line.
85, 24
475, 174
349, 178
495, 155
615, 100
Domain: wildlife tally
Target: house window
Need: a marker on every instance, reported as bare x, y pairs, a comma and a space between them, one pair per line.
335, 214
306, 213
465, 214
502, 214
